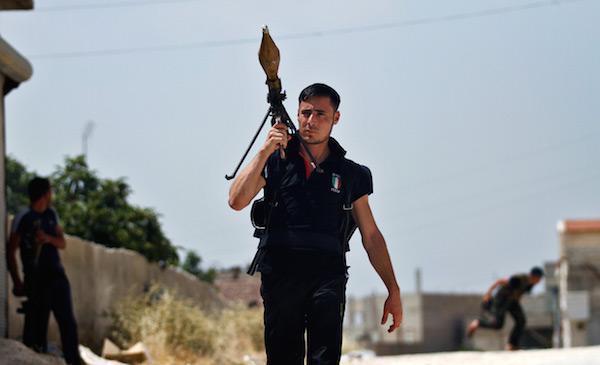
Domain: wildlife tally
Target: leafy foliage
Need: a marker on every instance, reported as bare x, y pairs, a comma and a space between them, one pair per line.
96, 209
191, 264
17, 178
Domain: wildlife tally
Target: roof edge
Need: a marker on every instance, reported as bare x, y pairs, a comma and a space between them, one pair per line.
16, 5
13, 65
578, 226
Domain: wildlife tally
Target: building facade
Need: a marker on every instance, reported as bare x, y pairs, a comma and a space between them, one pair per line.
435, 322
579, 282
14, 69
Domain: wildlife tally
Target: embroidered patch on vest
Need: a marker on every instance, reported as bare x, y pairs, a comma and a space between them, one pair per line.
336, 183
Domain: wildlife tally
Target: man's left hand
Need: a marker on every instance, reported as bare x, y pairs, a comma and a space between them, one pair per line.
393, 306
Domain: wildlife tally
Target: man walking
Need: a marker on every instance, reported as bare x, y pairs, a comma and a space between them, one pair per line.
506, 299
303, 269
39, 236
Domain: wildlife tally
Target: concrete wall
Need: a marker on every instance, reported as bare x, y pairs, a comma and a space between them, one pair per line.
14, 68
580, 288
436, 322
3, 272
445, 319
362, 323
100, 277
432, 322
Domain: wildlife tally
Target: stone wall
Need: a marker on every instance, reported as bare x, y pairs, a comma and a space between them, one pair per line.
100, 277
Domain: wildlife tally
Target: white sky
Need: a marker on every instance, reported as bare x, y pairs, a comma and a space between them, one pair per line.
481, 130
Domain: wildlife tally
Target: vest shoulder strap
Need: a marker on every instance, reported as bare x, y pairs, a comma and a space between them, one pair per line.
348, 226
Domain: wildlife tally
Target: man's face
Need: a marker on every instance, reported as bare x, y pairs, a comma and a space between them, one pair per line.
48, 197
535, 279
317, 118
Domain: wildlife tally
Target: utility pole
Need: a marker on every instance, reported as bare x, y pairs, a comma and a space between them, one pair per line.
85, 136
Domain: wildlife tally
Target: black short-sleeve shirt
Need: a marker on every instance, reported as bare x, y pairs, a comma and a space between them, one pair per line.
309, 209
515, 288
45, 257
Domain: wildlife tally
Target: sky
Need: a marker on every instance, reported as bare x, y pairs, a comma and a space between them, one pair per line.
479, 120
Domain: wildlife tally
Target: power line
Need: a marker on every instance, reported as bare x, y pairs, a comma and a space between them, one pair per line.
130, 50
518, 156
433, 20
477, 213
480, 195
311, 34
120, 4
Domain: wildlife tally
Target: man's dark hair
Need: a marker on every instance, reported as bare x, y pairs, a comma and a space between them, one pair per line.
320, 90
537, 271
37, 188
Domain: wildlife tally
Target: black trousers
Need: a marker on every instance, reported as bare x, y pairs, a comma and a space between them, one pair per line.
299, 303
498, 311
51, 293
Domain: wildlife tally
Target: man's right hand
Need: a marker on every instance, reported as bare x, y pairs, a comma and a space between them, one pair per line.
487, 297
249, 182
278, 137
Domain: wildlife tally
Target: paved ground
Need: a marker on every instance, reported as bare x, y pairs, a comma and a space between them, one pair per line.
15, 353
574, 356
12, 352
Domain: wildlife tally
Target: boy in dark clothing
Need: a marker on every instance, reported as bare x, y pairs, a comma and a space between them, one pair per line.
38, 236
506, 299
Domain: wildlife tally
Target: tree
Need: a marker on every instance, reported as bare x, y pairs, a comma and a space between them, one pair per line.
192, 263
97, 209
17, 178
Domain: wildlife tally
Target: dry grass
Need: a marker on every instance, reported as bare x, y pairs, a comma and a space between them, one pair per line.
176, 331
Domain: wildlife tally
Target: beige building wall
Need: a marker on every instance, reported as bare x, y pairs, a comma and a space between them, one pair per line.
101, 277
362, 324
14, 69
3, 269
580, 282
436, 322
446, 317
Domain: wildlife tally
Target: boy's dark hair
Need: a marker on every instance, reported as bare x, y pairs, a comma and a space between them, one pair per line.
537, 271
37, 188
320, 90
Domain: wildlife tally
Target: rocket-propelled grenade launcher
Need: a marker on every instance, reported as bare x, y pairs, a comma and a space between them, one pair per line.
268, 56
